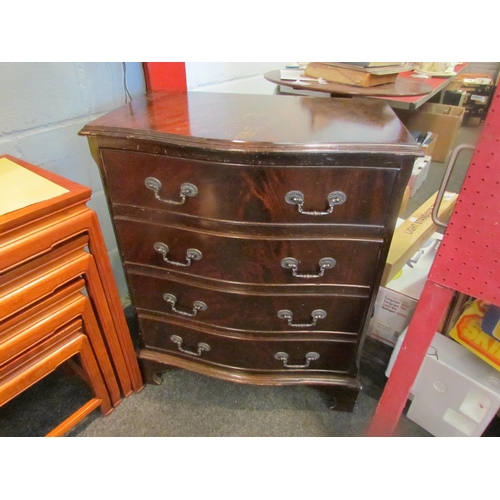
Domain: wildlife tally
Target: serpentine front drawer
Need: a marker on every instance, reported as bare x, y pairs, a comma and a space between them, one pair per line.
250, 308
231, 192
334, 355
249, 259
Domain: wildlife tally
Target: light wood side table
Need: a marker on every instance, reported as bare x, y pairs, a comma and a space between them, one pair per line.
49, 238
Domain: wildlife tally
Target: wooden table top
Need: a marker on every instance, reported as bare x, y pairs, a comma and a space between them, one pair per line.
72, 194
406, 92
402, 87
252, 122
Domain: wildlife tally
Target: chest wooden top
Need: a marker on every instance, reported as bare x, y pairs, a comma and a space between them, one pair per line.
244, 122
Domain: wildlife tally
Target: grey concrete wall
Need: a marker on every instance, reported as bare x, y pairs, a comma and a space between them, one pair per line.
43, 106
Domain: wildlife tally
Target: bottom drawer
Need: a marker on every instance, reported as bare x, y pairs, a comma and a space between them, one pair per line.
285, 353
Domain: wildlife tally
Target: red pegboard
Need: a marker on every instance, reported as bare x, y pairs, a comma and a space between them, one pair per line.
469, 257
467, 261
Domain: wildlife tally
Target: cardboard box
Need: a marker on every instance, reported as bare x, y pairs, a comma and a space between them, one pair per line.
396, 302
454, 97
442, 119
391, 315
404, 201
414, 232
429, 146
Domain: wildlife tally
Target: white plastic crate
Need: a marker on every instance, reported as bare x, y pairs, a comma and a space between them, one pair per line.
419, 173
455, 394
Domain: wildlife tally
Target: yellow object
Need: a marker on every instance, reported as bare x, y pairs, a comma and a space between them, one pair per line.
398, 275
414, 232
468, 332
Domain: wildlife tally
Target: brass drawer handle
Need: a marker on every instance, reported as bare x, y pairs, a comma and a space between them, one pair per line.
198, 305
187, 189
201, 346
293, 264
283, 356
288, 315
297, 198
191, 254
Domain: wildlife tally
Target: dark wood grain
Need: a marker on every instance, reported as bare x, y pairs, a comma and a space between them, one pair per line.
232, 122
244, 153
318, 378
247, 310
249, 260
335, 354
243, 230
257, 193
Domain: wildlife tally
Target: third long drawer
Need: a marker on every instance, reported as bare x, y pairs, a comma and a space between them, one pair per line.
258, 309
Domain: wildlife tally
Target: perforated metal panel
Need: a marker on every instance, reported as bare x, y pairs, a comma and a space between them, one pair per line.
469, 257
467, 261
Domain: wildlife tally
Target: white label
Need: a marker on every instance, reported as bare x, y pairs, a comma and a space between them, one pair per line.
480, 98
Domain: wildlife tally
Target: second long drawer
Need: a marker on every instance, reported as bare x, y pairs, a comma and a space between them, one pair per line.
252, 260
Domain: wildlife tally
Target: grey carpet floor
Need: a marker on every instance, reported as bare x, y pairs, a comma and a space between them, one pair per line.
188, 404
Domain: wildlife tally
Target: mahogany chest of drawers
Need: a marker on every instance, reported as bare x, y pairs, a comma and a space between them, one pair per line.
254, 230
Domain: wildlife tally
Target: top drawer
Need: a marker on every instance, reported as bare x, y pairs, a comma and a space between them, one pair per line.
245, 193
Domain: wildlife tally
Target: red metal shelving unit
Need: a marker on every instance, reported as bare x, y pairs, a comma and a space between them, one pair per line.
165, 75
468, 261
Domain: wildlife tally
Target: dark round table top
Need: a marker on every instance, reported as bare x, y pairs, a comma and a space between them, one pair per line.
403, 86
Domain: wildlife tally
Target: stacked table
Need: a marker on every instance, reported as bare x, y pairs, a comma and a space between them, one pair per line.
58, 296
